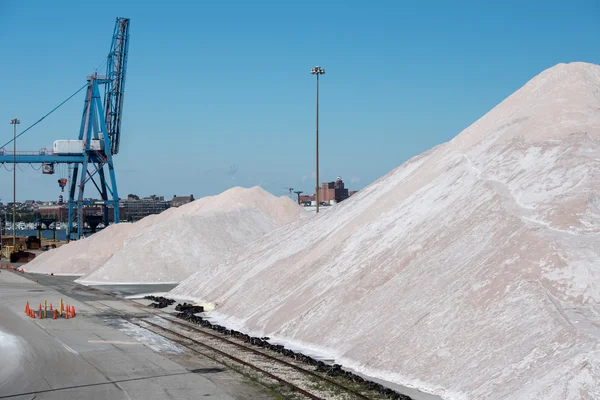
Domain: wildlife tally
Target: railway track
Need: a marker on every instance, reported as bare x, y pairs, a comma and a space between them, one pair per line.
290, 378
354, 390
295, 381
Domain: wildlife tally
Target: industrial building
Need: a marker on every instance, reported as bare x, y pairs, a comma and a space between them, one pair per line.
333, 192
329, 193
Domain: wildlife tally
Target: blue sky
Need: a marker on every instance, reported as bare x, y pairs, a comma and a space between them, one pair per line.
219, 93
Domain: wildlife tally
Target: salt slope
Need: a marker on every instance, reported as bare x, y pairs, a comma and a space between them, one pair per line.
84, 256
471, 271
184, 239
12, 349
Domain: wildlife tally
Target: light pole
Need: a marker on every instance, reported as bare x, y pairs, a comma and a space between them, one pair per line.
317, 71
1, 233
14, 122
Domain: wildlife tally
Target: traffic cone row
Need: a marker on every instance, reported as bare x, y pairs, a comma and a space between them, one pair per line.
69, 311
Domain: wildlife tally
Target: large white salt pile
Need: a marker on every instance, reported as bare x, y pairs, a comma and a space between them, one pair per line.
184, 239
471, 271
84, 256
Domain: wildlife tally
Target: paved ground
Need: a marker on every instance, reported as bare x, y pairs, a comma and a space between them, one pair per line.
129, 291
97, 355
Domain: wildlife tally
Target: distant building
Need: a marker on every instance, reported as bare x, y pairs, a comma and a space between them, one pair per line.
178, 201
333, 192
60, 212
329, 193
134, 210
153, 197
307, 199
353, 192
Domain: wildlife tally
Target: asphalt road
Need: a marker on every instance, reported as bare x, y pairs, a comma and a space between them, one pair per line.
94, 356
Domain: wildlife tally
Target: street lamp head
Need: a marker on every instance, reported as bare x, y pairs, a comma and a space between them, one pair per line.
14, 121
317, 70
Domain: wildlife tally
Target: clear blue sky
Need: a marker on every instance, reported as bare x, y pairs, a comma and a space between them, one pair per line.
217, 84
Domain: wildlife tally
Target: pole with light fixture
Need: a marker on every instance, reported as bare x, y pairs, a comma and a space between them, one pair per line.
14, 122
317, 71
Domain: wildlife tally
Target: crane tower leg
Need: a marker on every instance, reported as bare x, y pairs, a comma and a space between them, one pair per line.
95, 161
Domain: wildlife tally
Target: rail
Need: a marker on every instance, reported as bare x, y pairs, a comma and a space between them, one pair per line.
254, 351
295, 388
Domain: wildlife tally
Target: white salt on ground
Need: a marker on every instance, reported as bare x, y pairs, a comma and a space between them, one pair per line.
471, 271
182, 240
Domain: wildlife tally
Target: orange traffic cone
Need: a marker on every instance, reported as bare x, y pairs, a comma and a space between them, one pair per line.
50, 306
27, 308
54, 314
72, 311
31, 314
67, 315
40, 315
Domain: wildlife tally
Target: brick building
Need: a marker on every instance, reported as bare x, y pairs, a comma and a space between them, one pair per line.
329, 193
333, 192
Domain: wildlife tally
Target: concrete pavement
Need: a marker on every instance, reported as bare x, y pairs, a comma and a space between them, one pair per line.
97, 355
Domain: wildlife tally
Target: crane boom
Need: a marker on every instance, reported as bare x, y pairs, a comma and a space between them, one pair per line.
116, 69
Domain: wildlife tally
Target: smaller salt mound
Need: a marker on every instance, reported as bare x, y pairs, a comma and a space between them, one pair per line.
179, 246
84, 256
282, 210
184, 239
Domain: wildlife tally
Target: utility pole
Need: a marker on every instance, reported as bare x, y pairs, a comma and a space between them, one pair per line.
317, 71
14, 122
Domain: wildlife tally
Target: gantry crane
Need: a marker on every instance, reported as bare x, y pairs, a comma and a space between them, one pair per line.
91, 157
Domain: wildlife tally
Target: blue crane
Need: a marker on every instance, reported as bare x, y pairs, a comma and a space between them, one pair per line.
91, 156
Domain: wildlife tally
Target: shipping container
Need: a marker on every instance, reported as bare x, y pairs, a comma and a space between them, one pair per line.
64, 147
